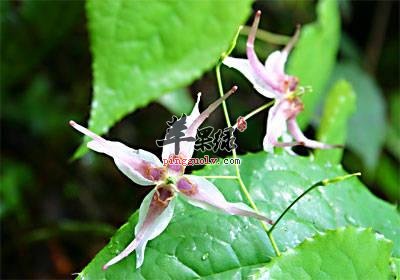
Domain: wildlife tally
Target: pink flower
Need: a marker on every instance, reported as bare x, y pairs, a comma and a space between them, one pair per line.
271, 81
144, 168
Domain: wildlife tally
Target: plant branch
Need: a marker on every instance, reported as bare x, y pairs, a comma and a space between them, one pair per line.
318, 184
237, 169
267, 36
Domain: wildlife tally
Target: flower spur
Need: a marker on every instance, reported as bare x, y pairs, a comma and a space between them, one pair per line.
144, 168
271, 81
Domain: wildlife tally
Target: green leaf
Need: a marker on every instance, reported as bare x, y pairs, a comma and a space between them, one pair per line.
143, 49
393, 133
339, 106
387, 177
395, 266
346, 253
198, 243
15, 179
367, 127
177, 102
314, 56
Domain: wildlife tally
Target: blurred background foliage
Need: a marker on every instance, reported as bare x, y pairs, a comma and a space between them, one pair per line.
56, 214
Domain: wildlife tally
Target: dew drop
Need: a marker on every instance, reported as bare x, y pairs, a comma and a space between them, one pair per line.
350, 219
204, 257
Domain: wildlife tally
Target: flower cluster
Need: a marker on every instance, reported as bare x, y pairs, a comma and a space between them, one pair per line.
144, 168
170, 180
271, 81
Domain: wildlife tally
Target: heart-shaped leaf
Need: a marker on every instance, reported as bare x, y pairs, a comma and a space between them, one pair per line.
346, 253
143, 49
198, 243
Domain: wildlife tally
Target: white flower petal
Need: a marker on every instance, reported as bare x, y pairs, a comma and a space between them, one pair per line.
138, 165
301, 139
200, 192
195, 111
186, 148
243, 66
276, 126
275, 64
154, 218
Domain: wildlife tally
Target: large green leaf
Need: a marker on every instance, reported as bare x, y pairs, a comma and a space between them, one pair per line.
143, 49
200, 243
346, 253
339, 106
314, 56
367, 127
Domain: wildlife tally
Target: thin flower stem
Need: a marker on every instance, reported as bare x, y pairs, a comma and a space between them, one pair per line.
220, 177
237, 169
318, 184
259, 109
267, 36
221, 93
256, 111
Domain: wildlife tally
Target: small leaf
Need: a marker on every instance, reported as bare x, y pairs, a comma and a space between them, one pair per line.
348, 253
198, 243
339, 106
177, 102
314, 56
367, 127
395, 266
15, 177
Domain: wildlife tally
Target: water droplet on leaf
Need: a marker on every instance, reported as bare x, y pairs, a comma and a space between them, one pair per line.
204, 257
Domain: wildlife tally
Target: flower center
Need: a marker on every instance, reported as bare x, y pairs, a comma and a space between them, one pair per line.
163, 194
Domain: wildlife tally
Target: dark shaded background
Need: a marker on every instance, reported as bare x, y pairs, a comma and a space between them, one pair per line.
56, 214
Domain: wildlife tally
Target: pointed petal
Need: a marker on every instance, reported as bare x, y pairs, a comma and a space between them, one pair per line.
155, 214
257, 67
195, 111
185, 148
275, 64
243, 66
192, 130
202, 193
276, 61
292, 41
276, 126
142, 167
301, 139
